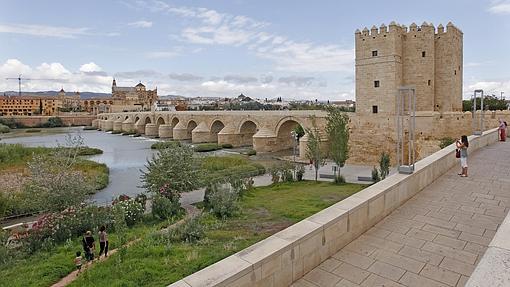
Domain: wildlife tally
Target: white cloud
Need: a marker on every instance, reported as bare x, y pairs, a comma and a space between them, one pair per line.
90, 67
214, 28
489, 87
500, 7
141, 24
53, 76
43, 31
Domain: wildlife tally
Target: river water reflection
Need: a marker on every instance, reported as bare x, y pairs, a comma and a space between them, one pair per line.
124, 155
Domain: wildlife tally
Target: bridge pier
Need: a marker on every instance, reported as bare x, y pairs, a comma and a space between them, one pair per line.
140, 127
165, 131
128, 126
151, 130
201, 134
108, 125
265, 140
228, 135
95, 123
180, 132
117, 125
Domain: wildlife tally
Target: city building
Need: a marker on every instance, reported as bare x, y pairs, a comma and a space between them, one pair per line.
29, 105
137, 95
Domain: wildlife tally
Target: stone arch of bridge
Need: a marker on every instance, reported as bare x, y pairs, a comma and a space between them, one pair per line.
174, 121
247, 130
147, 120
216, 126
137, 118
160, 121
190, 127
283, 131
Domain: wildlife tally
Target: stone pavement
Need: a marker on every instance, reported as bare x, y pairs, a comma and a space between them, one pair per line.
434, 239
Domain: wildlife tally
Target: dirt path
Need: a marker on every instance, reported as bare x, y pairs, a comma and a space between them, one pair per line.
190, 211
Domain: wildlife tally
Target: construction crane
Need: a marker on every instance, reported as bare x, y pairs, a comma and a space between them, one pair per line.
19, 78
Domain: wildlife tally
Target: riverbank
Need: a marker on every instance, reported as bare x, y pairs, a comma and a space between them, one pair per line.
14, 171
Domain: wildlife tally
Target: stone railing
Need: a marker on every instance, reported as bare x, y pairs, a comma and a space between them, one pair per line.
287, 255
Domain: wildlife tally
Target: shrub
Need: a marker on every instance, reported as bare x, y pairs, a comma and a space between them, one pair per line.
128, 133
163, 208
4, 129
375, 175
446, 141
223, 200
133, 211
137, 135
191, 230
11, 123
85, 150
53, 122
227, 145
89, 128
300, 172
33, 131
250, 152
166, 144
205, 147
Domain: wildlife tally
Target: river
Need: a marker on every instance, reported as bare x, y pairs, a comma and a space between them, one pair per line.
125, 156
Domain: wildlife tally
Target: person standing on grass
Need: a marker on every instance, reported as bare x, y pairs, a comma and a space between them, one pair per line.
463, 145
103, 241
89, 245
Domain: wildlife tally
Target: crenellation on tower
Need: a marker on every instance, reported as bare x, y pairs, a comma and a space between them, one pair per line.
387, 59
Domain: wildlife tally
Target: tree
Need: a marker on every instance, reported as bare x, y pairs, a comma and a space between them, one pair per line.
313, 147
491, 103
384, 165
338, 134
171, 172
54, 183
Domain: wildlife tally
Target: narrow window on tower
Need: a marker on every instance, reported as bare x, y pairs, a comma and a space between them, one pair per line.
455, 72
429, 82
423, 54
374, 53
376, 84
374, 109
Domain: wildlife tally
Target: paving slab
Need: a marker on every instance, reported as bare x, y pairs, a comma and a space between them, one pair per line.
434, 239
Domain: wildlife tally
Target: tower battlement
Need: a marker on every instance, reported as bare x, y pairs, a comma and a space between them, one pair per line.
426, 57
393, 27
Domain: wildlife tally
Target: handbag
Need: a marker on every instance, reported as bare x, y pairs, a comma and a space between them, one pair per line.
457, 153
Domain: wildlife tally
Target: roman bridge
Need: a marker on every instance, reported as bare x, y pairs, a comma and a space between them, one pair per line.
266, 131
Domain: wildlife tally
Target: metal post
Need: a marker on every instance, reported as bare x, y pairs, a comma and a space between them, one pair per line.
406, 112
478, 123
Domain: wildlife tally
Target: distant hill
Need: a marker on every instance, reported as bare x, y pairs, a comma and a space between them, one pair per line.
83, 95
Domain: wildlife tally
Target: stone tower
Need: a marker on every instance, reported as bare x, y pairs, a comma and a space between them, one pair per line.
390, 57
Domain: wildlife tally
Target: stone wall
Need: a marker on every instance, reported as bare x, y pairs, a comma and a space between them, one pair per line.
370, 136
33, 121
287, 255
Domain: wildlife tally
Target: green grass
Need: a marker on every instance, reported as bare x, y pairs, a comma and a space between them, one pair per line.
165, 144
33, 131
47, 267
4, 129
14, 159
265, 211
217, 167
205, 147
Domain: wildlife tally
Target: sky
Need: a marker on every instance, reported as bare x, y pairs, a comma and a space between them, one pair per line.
293, 49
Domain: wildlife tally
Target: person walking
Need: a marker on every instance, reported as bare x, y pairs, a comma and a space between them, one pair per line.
103, 241
502, 130
463, 145
89, 246
77, 262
